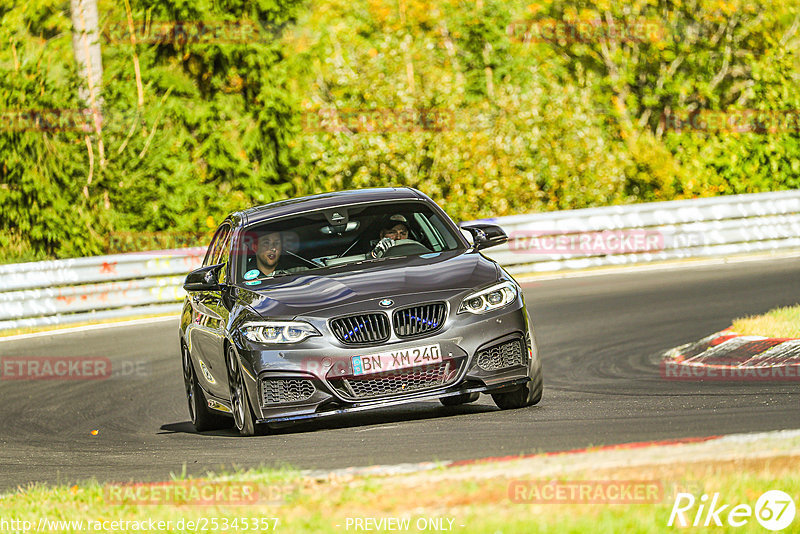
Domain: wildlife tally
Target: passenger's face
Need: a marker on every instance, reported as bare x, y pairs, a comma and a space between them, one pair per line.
269, 248
398, 231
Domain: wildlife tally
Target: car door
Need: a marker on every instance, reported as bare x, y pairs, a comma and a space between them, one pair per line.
210, 318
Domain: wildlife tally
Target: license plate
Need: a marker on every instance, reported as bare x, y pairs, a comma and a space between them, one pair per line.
396, 359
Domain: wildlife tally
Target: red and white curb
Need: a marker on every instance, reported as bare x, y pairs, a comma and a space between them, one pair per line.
670, 451
410, 468
728, 355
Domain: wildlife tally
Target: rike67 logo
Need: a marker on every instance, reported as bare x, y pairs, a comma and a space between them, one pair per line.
774, 510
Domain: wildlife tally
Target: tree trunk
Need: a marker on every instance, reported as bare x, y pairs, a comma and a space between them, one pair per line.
86, 46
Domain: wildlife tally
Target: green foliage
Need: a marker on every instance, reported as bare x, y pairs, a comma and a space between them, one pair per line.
43, 171
211, 136
693, 56
462, 99
550, 120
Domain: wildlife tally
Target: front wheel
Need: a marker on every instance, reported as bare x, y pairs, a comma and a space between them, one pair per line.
528, 394
457, 400
243, 414
202, 418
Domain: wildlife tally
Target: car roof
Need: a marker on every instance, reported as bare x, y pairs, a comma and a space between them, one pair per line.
283, 208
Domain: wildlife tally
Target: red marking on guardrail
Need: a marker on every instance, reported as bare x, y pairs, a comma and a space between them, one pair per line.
100, 290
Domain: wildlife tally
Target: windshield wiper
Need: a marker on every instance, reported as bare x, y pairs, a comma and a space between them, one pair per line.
343, 254
313, 264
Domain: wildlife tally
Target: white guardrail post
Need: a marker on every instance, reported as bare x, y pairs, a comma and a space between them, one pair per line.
86, 289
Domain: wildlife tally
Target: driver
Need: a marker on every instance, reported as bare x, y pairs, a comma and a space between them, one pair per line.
396, 228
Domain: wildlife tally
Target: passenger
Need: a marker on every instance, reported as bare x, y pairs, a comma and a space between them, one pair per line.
270, 247
268, 254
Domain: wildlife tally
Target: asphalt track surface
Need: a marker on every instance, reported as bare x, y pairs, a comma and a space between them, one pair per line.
599, 337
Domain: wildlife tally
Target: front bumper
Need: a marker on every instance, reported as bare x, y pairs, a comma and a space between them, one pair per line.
277, 420
328, 366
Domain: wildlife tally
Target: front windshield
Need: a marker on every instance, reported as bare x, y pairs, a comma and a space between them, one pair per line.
344, 235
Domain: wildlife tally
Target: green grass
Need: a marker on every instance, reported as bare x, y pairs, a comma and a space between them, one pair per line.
475, 505
780, 322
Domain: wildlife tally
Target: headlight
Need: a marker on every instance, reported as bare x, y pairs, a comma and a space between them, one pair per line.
489, 299
278, 331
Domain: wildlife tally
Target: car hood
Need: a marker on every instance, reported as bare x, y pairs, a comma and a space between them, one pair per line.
301, 294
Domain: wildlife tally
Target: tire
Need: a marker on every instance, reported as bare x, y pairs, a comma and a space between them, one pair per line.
457, 400
528, 394
243, 416
202, 418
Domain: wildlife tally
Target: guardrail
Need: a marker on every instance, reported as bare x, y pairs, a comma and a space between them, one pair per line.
87, 289
641, 233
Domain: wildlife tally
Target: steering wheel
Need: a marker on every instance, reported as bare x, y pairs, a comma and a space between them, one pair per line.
406, 247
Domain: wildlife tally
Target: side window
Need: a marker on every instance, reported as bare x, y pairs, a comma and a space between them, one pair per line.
217, 245
224, 254
221, 245
431, 234
444, 236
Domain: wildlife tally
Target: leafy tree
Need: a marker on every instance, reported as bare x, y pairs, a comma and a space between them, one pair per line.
493, 108
203, 127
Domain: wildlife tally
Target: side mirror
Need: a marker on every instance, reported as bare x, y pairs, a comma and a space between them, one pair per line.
486, 235
204, 279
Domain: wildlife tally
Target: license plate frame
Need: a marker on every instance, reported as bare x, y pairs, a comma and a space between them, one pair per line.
395, 360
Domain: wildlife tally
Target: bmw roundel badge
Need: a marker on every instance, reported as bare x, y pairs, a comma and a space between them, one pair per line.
386, 303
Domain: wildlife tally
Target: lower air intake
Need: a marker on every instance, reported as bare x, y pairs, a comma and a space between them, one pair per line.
397, 382
285, 390
501, 356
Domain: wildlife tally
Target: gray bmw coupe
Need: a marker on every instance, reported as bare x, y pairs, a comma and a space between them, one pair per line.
351, 301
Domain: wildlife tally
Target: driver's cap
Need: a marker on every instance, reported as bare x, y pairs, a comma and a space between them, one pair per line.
394, 220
